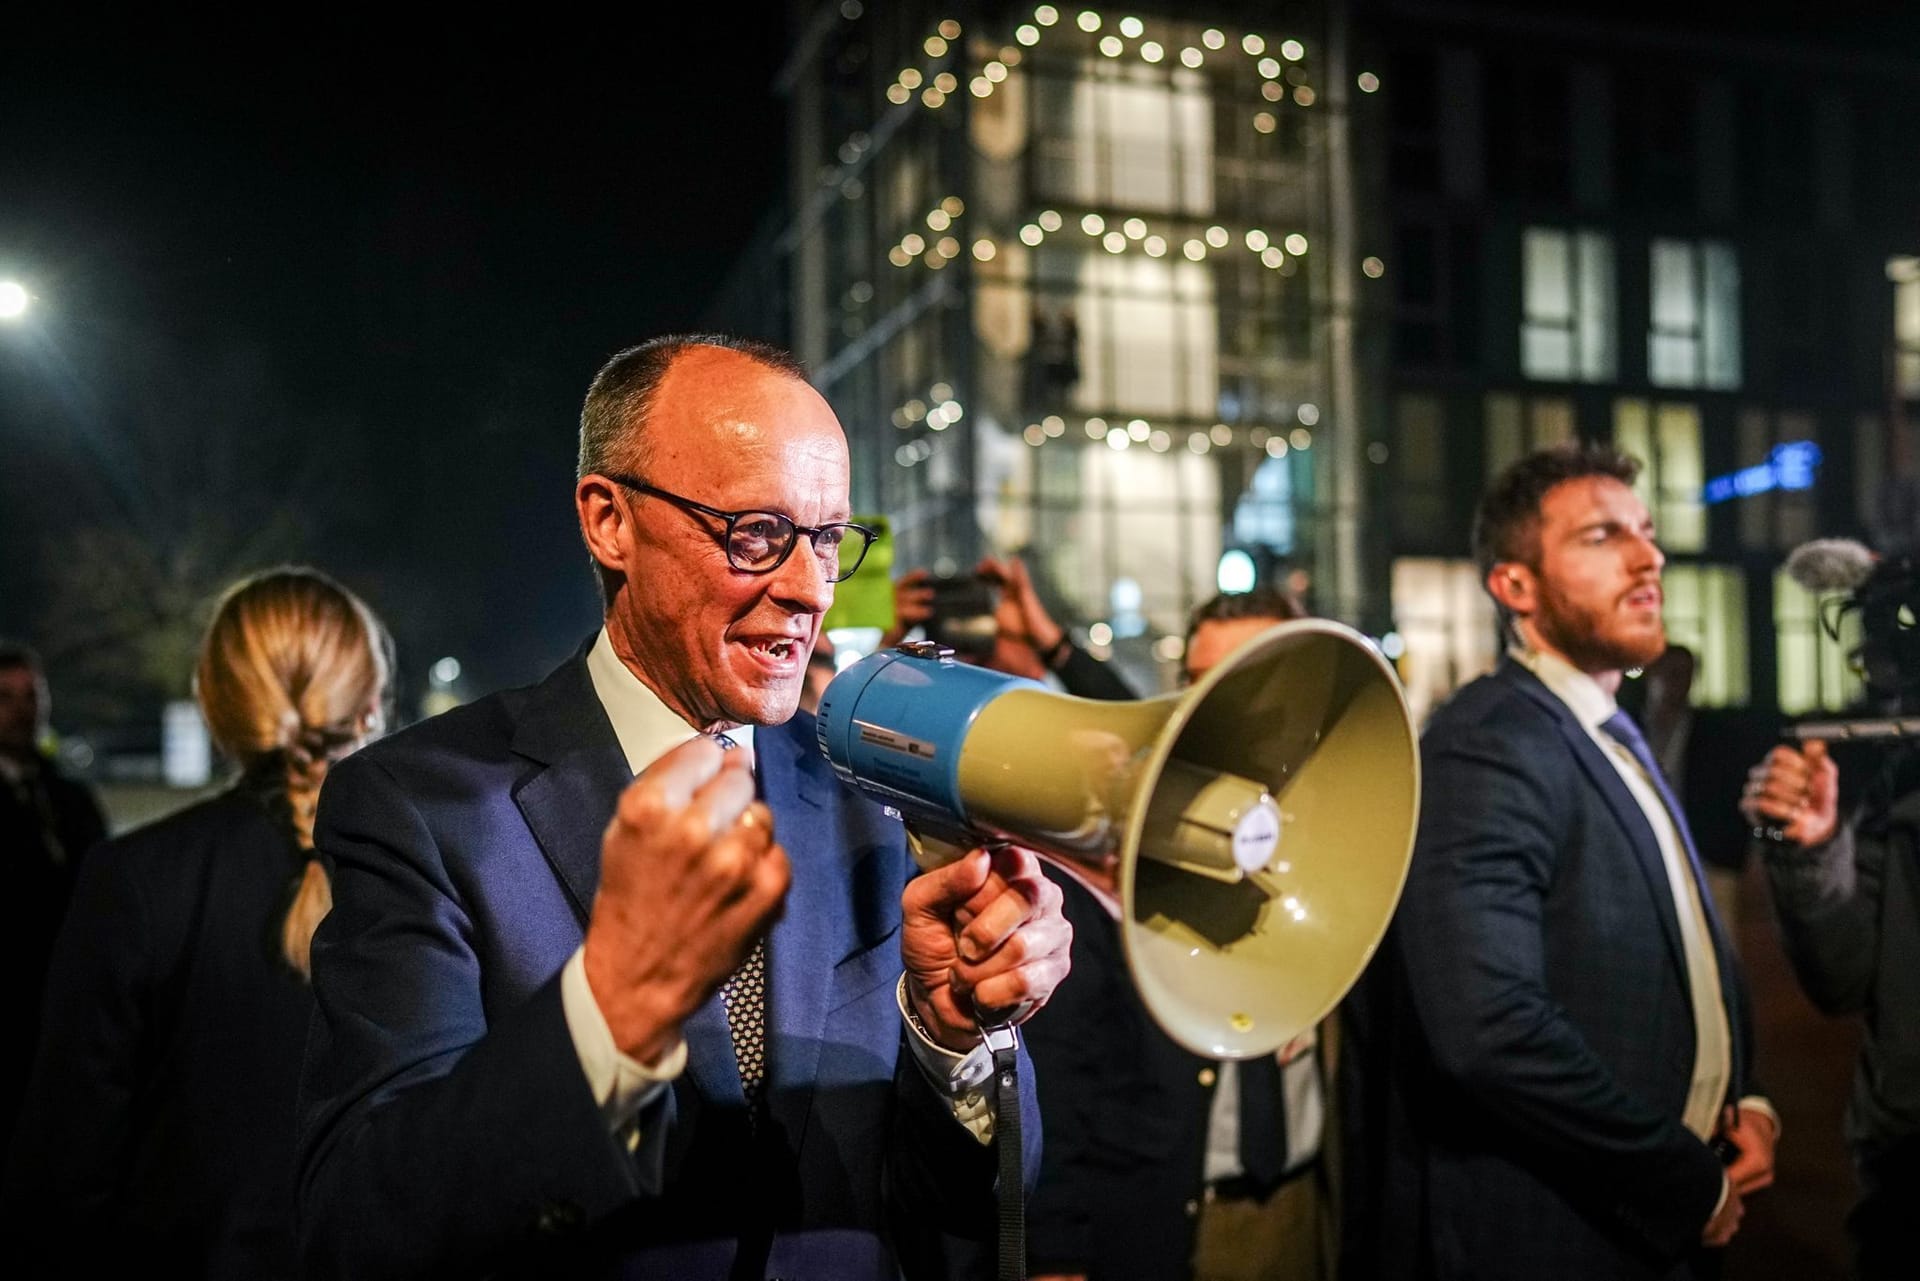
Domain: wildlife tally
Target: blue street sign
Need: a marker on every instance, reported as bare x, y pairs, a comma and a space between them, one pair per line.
1788, 466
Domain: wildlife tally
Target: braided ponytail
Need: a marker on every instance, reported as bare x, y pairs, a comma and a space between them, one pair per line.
292, 673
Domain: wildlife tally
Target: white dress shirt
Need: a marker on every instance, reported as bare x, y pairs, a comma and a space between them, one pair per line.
1303, 1102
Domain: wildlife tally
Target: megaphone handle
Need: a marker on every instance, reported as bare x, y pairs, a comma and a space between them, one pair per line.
933, 849
1011, 1194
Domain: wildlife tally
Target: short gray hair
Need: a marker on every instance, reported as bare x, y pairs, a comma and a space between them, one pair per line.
613, 420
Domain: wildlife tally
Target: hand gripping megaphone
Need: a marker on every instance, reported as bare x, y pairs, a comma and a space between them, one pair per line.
1250, 835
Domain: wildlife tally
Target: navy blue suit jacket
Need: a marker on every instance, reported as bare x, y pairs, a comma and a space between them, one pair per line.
447, 1124
1544, 1042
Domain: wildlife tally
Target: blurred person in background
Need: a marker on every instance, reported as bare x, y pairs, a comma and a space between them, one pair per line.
47, 821
158, 1127
1848, 899
1161, 1165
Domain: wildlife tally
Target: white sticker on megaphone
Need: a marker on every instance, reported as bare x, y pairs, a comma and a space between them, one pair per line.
1256, 834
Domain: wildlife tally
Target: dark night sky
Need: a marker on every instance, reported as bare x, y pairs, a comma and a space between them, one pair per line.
356, 277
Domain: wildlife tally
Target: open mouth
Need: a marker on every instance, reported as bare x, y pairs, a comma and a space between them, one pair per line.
776, 649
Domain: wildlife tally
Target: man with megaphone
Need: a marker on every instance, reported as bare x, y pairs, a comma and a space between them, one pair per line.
699, 1023
1572, 1052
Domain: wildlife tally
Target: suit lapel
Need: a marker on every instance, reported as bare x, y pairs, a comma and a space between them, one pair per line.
1626, 810
815, 931
567, 803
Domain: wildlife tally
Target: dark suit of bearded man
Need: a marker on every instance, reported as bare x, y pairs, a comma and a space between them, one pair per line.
1569, 1046
1545, 1041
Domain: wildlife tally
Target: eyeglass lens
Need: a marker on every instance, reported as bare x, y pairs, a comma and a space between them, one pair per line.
760, 539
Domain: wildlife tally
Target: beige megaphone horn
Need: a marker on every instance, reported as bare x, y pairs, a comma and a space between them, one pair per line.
1251, 834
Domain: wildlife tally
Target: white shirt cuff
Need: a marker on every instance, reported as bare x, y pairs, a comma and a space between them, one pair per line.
1761, 1104
947, 1072
622, 1085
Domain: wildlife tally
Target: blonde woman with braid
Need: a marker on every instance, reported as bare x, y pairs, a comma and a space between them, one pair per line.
157, 1131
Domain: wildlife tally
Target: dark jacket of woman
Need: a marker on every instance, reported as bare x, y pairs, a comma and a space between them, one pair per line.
157, 1131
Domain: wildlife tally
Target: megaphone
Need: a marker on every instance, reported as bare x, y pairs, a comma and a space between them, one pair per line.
1251, 835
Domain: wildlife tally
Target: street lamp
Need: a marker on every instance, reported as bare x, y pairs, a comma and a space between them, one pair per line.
14, 300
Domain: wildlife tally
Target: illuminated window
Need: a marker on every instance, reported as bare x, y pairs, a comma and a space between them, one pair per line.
1706, 611
1904, 272
1566, 330
1446, 619
1813, 669
1421, 509
1136, 143
1000, 122
1105, 515
1694, 339
1136, 336
1666, 440
1517, 426
1264, 513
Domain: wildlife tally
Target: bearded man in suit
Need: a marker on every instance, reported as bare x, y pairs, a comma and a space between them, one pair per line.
700, 1023
1571, 1058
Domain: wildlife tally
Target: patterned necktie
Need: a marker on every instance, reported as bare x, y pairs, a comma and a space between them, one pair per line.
745, 996
1263, 1122
1622, 730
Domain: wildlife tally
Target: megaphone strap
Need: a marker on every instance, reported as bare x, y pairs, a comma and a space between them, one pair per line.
1011, 1194
997, 1060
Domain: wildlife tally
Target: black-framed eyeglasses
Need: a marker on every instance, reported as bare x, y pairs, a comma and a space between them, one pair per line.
759, 542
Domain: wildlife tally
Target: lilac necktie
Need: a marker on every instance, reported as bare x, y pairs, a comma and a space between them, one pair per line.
1622, 730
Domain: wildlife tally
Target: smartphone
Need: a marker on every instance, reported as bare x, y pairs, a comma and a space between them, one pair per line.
962, 617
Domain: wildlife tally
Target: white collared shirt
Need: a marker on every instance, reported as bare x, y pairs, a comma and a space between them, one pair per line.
1302, 1100
646, 727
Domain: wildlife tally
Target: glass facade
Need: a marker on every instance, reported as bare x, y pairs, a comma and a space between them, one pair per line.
1552, 197
1125, 292
1073, 273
